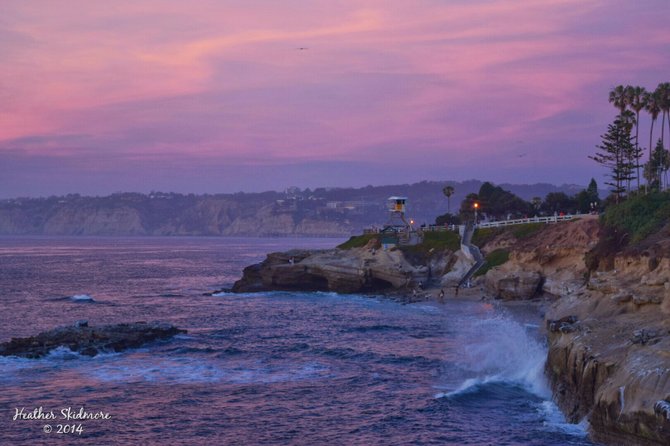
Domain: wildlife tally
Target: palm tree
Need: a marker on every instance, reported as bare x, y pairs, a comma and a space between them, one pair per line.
618, 97
635, 98
651, 104
663, 91
448, 191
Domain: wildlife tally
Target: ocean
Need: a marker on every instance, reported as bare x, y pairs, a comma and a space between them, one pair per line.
277, 368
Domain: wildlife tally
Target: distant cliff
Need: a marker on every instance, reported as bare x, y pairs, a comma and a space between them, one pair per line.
135, 214
320, 212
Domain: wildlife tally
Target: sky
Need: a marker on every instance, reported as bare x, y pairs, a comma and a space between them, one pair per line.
227, 96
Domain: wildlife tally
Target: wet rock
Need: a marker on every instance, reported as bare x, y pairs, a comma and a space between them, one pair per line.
646, 337
566, 324
647, 299
662, 409
89, 341
621, 298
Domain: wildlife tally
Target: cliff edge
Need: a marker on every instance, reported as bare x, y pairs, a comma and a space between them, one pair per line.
608, 327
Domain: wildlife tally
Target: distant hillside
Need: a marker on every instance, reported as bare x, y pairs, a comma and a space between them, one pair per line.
295, 212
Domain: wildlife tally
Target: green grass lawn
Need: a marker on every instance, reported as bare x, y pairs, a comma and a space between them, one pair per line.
358, 241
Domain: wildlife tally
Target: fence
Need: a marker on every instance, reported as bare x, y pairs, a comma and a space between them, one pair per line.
496, 224
522, 221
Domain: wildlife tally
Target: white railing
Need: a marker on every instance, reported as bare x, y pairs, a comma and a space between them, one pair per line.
495, 224
522, 221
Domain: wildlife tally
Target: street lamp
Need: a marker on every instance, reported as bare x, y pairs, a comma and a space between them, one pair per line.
476, 206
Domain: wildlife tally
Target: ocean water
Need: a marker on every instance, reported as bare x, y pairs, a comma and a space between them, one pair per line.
274, 368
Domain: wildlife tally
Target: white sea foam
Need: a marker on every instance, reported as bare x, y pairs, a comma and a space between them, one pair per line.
61, 353
223, 294
501, 350
554, 421
82, 298
185, 370
64, 353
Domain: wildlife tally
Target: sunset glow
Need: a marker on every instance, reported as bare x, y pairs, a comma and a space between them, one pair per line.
220, 96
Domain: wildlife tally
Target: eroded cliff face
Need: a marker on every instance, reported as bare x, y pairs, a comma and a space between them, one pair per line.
608, 330
612, 365
95, 221
178, 216
551, 261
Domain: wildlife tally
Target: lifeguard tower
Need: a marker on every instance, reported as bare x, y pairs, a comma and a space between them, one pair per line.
397, 207
397, 231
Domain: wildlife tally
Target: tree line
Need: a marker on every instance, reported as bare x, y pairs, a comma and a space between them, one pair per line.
495, 203
620, 150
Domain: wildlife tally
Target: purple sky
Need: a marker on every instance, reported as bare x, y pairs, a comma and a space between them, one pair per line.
215, 96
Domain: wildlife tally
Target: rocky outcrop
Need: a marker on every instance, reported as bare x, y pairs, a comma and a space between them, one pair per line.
608, 330
510, 286
89, 341
549, 262
346, 271
612, 366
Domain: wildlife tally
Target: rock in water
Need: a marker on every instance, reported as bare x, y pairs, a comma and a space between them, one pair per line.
89, 341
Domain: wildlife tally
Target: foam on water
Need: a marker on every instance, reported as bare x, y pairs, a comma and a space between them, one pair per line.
554, 421
82, 298
62, 353
499, 349
184, 370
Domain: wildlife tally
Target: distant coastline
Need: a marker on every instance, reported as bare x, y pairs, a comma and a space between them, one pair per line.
322, 212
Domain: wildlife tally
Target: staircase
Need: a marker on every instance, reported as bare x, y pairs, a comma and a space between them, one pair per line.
476, 254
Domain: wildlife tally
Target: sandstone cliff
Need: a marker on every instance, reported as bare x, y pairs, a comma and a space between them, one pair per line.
174, 214
608, 329
550, 260
355, 270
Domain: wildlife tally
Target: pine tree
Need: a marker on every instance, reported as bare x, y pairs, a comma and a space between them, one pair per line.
618, 154
657, 165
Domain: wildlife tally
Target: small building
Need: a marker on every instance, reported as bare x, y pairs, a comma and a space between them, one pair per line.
389, 237
397, 204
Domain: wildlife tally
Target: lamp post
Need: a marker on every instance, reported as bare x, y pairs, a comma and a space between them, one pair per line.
476, 206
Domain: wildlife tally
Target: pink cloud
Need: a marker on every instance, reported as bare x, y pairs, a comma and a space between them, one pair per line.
420, 83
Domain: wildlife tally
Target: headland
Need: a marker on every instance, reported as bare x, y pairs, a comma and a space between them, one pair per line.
606, 306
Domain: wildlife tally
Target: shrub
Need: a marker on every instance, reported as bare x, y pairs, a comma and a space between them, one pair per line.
526, 230
639, 216
493, 259
484, 235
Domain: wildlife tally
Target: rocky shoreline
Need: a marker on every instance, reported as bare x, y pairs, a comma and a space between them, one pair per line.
608, 328
89, 341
